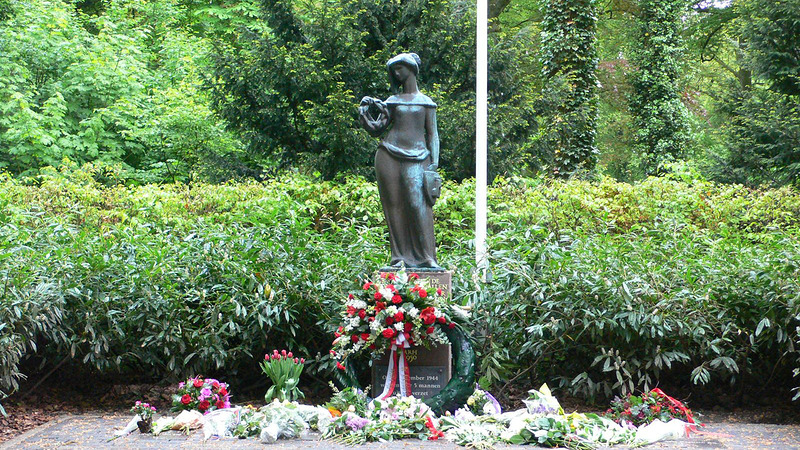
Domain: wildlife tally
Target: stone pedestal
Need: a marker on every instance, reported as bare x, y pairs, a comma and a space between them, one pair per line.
430, 369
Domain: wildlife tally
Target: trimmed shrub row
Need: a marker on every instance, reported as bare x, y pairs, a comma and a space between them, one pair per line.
603, 286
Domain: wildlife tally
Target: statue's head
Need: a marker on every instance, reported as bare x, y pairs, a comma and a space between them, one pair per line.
409, 60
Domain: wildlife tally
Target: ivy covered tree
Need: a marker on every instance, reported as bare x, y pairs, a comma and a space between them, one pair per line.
569, 62
660, 118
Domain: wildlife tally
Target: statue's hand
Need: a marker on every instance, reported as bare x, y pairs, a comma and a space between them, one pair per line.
367, 101
433, 167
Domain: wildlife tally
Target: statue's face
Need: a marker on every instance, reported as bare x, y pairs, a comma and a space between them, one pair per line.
401, 72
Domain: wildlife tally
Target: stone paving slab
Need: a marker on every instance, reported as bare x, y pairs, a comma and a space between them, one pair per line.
94, 431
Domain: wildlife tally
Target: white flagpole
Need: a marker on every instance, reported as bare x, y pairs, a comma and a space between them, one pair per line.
481, 125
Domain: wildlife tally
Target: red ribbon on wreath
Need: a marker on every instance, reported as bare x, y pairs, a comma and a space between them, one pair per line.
398, 368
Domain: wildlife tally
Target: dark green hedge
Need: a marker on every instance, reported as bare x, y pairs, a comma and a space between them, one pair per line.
604, 286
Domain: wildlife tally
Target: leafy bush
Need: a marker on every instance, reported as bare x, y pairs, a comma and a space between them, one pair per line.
604, 286
611, 313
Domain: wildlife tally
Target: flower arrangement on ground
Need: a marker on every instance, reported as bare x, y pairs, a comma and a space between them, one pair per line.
646, 408
542, 423
204, 395
480, 403
398, 308
284, 369
385, 420
145, 413
143, 410
276, 420
348, 399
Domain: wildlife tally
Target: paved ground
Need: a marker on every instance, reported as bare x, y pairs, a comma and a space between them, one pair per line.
93, 431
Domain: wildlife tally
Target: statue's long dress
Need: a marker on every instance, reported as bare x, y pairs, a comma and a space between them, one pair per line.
400, 164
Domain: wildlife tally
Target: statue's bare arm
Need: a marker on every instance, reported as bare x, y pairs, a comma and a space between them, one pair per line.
432, 137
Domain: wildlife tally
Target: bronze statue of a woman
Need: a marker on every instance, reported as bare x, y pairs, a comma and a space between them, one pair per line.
406, 163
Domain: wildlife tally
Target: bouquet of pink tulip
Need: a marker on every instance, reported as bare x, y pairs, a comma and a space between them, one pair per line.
284, 369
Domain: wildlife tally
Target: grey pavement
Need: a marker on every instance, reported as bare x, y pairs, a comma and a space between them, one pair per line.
91, 431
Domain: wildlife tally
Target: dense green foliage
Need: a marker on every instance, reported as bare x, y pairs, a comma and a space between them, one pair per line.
762, 114
123, 87
687, 280
772, 36
660, 118
293, 87
175, 90
569, 61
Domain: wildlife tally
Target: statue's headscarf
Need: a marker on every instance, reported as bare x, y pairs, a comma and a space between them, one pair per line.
409, 59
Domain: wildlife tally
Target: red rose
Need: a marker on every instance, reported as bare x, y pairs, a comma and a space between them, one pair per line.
452, 325
379, 306
371, 319
198, 383
389, 320
390, 276
364, 336
377, 296
429, 330
399, 316
367, 285
423, 293
362, 313
388, 333
350, 311
397, 299
186, 399
354, 338
442, 320
223, 392
413, 276
339, 365
215, 384
204, 405
408, 326
391, 287
220, 404
427, 315
439, 291
350, 296
372, 346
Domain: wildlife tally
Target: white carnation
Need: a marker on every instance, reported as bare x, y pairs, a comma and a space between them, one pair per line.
357, 304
